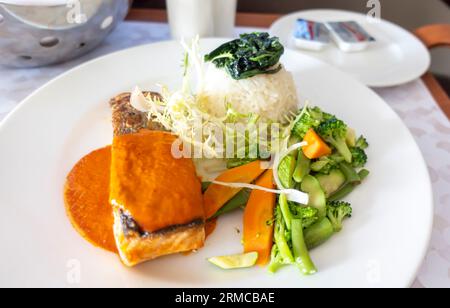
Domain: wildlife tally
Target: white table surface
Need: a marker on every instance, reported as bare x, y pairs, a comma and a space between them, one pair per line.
411, 101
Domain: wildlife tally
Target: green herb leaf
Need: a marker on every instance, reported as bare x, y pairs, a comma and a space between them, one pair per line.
250, 55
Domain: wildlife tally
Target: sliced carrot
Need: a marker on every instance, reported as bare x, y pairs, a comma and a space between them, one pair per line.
259, 212
316, 146
216, 196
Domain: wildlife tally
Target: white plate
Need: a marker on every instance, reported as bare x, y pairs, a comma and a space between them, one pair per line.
395, 58
381, 246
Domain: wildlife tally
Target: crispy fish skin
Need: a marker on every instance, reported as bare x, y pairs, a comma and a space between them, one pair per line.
136, 245
128, 120
136, 248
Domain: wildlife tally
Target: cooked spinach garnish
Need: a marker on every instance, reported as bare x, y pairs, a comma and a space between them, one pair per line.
252, 54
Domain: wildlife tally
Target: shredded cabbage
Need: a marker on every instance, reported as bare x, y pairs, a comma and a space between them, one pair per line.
291, 194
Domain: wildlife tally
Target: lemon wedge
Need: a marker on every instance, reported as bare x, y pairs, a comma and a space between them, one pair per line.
235, 261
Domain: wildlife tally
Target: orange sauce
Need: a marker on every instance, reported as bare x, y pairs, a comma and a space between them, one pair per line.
86, 197
169, 189
157, 189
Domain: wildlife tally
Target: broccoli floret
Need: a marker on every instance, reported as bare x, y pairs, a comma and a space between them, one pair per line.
319, 114
325, 164
306, 222
282, 251
325, 115
359, 157
336, 212
334, 131
316, 113
308, 118
309, 215
362, 143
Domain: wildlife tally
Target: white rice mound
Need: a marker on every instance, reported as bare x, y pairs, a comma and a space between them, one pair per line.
272, 96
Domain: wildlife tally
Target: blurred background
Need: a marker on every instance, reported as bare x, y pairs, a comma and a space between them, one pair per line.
410, 14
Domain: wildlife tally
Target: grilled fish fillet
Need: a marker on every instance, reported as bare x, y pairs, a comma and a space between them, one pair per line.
168, 220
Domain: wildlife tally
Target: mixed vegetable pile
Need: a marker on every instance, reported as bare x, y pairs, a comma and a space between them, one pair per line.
328, 166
